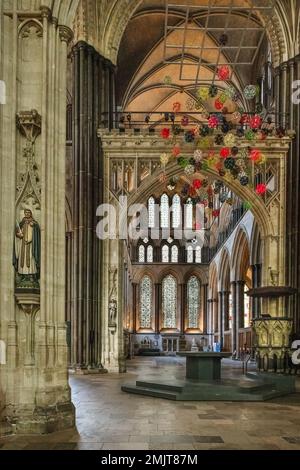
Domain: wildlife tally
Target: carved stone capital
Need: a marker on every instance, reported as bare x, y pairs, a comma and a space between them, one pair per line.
45, 12
65, 34
29, 124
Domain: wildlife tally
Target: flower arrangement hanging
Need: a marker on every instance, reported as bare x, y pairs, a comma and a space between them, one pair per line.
223, 98
219, 139
225, 152
164, 159
230, 140
203, 93
255, 122
197, 184
261, 189
213, 122
189, 170
250, 92
176, 151
165, 133
198, 156
185, 121
213, 91
255, 155
236, 117
189, 137
223, 73
218, 104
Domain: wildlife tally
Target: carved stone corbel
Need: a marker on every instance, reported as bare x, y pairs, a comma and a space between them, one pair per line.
29, 124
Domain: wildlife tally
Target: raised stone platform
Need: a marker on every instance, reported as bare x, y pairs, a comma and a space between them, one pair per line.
203, 382
252, 387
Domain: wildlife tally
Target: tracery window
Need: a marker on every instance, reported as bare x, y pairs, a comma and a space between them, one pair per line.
150, 254
190, 254
146, 302
165, 254
151, 212
164, 211
169, 302
193, 294
198, 255
141, 254
174, 254
176, 211
189, 214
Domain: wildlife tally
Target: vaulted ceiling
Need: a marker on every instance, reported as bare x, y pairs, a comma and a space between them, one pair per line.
144, 62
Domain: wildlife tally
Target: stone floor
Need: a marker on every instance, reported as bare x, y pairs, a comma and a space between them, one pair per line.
109, 419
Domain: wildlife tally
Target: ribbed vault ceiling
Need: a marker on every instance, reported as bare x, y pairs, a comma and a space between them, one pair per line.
142, 67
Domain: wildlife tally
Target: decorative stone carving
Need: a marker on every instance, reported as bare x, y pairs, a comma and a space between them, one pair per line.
29, 124
29, 303
26, 256
272, 342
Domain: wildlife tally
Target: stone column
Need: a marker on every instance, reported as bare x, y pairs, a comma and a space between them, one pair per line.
277, 95
34, 379
293, 201
235, 333
283, 94
240, 288
225, 311
158, 288
182, 289
89, 84
205, 309
134, 305
220, 318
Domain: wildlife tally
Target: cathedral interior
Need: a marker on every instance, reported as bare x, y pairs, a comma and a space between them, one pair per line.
150, 200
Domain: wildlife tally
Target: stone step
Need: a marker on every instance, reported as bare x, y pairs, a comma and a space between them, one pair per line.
160, 386
151, 392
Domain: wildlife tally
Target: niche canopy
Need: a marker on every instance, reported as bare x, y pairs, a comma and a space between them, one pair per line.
218, 44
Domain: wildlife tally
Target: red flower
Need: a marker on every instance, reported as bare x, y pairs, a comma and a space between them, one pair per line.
245, 119
261, 189
255, 155
165, 133
255, 122
213, 122
197, 184
216, 213
223, 73
176, 151
225, 152
218, 105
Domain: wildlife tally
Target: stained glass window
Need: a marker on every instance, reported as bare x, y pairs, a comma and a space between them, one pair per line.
198, 254
164, 211
145, 302
190, 254
176, 211
193, 293
141, 254
150, 254
189, 214
151, 212
165, 254
169, 302
174, 254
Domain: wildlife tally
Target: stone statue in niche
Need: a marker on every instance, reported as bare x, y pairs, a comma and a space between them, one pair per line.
27, 252
112, 308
